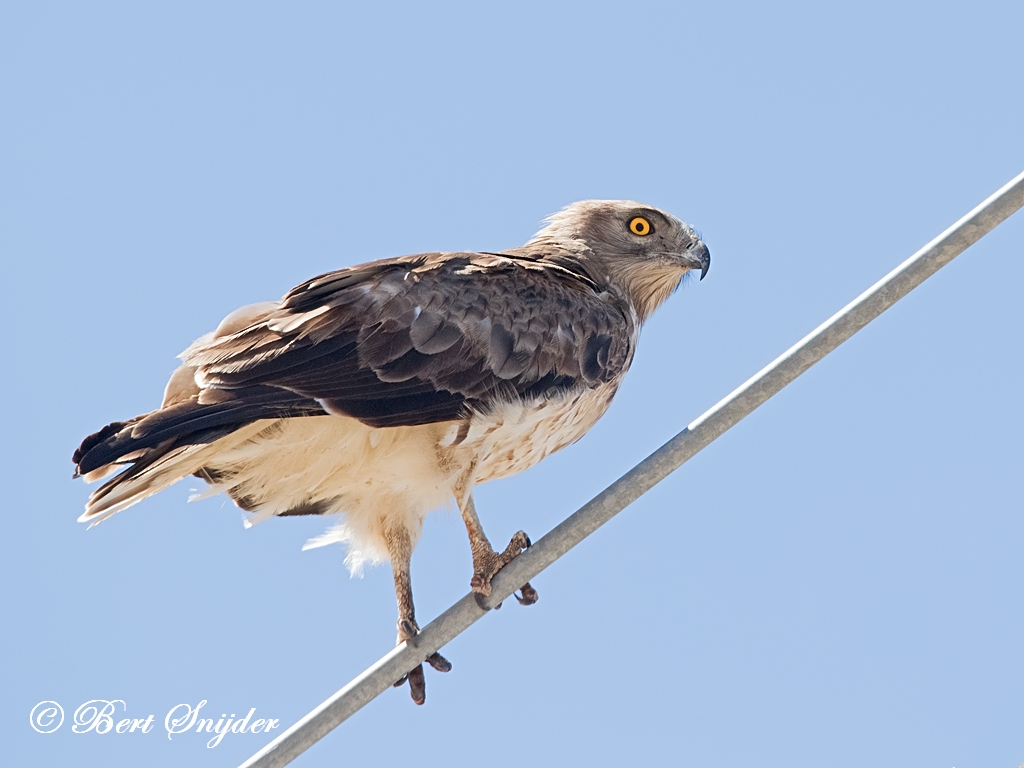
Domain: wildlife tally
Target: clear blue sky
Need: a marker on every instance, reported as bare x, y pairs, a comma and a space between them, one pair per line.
837, 581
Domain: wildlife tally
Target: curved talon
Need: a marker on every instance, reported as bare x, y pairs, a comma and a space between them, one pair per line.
481, 601
407, 631
519, 542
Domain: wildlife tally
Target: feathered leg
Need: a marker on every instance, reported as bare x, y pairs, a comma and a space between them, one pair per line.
487, 562
400, 550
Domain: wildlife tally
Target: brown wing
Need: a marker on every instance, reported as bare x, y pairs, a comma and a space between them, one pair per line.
424, 339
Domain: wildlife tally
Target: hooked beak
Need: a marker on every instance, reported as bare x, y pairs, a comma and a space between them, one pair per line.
699, 257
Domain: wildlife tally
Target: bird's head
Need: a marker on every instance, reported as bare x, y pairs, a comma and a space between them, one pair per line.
641, 250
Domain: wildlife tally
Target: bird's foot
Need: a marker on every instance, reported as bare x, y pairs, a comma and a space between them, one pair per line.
488, 562
407, 632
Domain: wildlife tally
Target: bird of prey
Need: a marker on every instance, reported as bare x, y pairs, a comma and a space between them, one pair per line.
385, 390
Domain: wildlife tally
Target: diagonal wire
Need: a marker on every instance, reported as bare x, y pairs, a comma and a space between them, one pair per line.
652, 470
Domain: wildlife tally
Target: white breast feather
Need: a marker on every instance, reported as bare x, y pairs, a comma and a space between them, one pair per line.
399, 474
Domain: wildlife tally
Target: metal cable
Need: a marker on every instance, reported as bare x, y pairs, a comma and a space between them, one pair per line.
645, 475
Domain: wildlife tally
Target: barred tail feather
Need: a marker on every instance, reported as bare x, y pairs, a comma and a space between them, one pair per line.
159, 467
175, 441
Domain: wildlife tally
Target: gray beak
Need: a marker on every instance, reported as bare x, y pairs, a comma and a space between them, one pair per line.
699, 257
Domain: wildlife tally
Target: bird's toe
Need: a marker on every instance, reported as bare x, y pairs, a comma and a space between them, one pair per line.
487, 564
481, 583
417, 685
439, 662
407, 632
519, 542
527, 595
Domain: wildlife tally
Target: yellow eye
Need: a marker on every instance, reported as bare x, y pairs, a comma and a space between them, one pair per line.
638, 225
